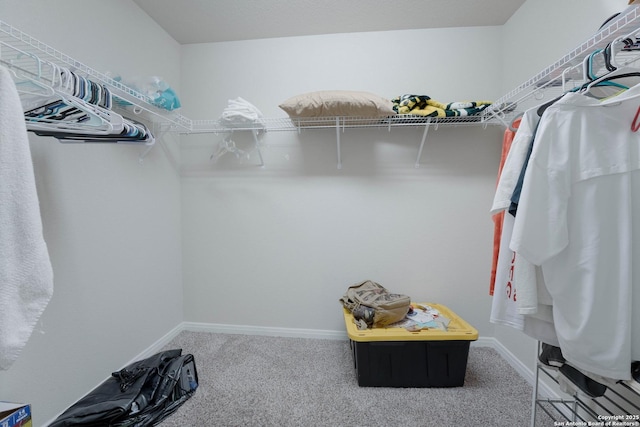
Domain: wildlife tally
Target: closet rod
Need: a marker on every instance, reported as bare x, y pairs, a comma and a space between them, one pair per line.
549, 75
37, 50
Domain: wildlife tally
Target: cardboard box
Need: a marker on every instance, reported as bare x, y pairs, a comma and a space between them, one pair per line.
396, 357
15, 415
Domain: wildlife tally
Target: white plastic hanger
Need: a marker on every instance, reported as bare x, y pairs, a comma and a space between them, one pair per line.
98, 120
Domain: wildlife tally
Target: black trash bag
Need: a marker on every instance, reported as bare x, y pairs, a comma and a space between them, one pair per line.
142, 394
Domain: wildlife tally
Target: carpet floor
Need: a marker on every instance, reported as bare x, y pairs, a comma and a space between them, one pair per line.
273, 381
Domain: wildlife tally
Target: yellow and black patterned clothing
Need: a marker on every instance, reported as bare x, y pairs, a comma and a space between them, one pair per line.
423, 105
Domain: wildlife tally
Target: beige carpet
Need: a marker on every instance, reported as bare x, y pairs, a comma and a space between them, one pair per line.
271, 381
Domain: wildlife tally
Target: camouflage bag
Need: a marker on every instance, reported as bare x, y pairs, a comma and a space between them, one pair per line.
373, 306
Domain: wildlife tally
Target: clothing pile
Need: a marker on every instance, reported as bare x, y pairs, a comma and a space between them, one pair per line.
159, 92
241, 113
423, 105
422, 316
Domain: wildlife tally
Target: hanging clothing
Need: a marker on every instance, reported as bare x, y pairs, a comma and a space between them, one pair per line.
515, 161
503, 304
26, 277
507, 182
579, 219
498, 217
517, 282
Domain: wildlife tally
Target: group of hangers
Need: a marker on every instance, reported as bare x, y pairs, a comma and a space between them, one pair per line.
601, 74
615, 79
63, 104
614, 72
615, 76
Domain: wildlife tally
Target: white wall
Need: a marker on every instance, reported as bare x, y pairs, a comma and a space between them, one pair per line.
274, 246
112, 225
426, 232
278, 246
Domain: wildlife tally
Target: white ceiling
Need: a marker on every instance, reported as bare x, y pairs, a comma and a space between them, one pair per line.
204, 21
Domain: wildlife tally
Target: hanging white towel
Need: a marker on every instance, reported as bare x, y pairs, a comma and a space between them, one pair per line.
26, 276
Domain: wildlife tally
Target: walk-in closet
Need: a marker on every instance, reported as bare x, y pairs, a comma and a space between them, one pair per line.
214, 218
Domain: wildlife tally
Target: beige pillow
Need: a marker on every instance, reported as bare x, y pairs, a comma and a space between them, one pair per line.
328, 103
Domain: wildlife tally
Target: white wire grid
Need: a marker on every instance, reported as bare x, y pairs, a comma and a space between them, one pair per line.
302, 123
551, 81
31, 57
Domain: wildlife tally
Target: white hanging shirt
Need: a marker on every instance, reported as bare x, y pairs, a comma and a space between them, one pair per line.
515, 160
504, 310
514, 273
579, 218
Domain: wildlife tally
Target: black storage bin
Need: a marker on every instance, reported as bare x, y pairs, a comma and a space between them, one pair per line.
395, 357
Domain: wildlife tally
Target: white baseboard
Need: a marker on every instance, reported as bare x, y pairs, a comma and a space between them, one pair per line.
525, 372
264, 330
158, 345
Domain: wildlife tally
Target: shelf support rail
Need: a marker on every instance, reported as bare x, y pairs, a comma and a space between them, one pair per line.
536, 379
338, 142
254, 132
424, 138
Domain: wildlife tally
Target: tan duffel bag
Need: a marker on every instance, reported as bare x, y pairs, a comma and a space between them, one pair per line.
373, 306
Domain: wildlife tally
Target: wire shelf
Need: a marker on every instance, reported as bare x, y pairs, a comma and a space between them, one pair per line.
549, 81
35, 59
301, 123
31, 57
619, 401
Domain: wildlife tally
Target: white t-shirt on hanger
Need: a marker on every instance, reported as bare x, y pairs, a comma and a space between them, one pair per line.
514, 274
579, 218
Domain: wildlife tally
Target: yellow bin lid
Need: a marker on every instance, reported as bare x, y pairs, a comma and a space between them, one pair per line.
458, 330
